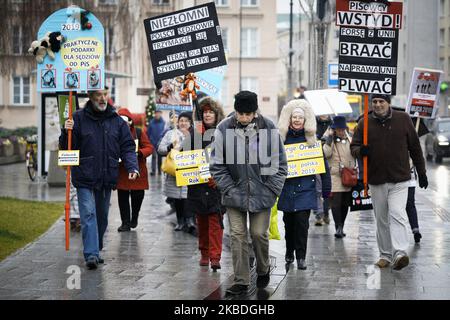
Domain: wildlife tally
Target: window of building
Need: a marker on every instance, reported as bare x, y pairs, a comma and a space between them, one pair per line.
108, 2
249, 42
113, 94
442, 8
21, 90
222, 3
442, 37
161, 2
249, 3
442, 63
250, 84
225, 39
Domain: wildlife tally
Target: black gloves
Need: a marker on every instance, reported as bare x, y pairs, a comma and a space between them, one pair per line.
423, 181
364, 150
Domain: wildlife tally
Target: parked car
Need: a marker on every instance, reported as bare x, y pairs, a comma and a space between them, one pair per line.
437, 143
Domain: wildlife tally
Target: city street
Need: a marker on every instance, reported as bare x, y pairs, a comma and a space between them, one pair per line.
155, 262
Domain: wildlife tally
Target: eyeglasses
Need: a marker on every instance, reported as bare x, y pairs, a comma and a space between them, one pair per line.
297, 117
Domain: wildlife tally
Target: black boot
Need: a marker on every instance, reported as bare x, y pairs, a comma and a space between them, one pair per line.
301, 264
190, 226
134, 221
339, 232
289, 256
124, 227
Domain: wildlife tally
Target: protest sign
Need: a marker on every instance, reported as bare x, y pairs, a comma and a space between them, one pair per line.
328, 101
185, 41
63, 108
192, 167
304, 160
79, 64
423, 98
368, 46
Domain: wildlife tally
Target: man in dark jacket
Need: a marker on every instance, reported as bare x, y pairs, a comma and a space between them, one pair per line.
392, 141
102, 137
248, 164
154, 133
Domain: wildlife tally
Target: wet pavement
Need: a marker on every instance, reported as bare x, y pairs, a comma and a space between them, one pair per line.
154, 262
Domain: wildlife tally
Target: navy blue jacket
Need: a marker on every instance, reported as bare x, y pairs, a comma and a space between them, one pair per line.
155, 130
299, 193
102, 139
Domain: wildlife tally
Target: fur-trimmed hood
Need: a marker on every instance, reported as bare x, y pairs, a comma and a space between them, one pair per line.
310, 120
215, 106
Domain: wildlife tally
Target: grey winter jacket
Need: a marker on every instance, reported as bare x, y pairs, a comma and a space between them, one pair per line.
249, 166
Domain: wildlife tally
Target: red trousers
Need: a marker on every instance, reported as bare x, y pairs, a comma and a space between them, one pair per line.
210, 235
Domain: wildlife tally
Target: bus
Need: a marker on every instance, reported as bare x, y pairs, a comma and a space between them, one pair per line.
355, 101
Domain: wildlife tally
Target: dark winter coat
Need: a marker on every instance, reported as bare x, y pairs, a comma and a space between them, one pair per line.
102, 138
299, 193
155, 130
245, 181
202, 199
392, 141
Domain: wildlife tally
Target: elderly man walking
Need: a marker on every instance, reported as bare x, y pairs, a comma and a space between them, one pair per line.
102, 137
248, 164
392, 141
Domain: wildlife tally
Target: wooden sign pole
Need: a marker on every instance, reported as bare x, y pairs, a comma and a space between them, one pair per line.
67, 206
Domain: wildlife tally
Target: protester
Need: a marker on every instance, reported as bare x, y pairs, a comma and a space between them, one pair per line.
173, 139
337, 151
297, 124
411, 210
155, 130
204, 199
102, 137
322, 214
392, 141
135, 189
248, 164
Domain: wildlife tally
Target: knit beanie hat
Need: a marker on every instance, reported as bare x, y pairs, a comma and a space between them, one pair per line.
381, 96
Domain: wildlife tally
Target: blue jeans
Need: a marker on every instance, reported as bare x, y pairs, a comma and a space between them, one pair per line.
94, 206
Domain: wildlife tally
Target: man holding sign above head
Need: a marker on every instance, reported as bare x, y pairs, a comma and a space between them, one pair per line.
298, 125
248, 164
392, 141
102, 137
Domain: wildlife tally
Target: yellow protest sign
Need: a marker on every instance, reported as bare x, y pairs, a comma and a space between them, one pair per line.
192, 167
82, 53
190, 176
304, 160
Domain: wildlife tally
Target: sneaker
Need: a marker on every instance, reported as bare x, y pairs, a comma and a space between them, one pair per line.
215, 264
263, 280
319, 222
400, 262
417, 236
326, 219
237, 289
92, 263
382, 263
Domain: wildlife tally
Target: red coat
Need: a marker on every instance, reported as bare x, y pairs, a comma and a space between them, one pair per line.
145, 150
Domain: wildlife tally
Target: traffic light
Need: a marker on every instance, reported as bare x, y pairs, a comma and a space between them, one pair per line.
321, 8
444, 86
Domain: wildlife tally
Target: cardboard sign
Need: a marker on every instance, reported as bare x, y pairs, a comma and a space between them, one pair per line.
368, 46
192, 167
185, 41
372, 15
423, 98
79, 64
210, 81
328, 101
68, 158
304, 160
63, 108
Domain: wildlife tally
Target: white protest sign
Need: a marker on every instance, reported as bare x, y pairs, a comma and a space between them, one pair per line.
68, 158
328, 101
